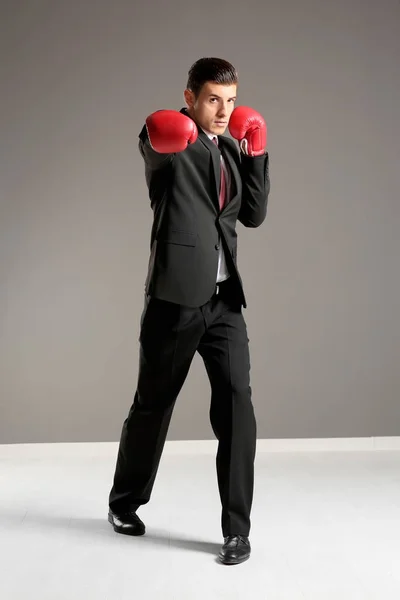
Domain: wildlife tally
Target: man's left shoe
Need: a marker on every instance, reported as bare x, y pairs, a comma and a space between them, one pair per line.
236, 549
127, 523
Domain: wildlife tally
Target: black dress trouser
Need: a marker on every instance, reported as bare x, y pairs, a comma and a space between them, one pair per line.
170, 334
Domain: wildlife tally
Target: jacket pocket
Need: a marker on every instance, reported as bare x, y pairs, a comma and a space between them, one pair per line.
176, 236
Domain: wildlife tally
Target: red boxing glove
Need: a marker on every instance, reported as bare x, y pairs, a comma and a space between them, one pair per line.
249, 127
170, 131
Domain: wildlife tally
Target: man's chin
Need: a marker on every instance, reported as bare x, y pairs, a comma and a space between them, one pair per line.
214, 129
219, 129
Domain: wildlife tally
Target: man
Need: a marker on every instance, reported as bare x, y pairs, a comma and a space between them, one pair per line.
199, 186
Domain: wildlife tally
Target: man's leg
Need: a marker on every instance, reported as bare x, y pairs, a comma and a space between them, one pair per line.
225, 351
168, 340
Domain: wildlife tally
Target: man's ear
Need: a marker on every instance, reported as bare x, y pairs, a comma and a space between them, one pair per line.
189, 98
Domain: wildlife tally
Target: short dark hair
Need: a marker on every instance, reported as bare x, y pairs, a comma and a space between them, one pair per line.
210, 69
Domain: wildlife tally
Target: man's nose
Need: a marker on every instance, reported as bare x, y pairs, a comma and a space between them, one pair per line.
222, 112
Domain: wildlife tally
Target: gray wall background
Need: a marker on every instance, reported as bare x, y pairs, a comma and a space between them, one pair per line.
78, 79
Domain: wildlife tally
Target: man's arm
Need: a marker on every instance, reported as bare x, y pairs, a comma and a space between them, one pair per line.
165, 133
249, 128
153, 160
255, 189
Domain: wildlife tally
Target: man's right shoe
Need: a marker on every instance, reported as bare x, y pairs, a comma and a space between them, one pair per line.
127, 523
236, 549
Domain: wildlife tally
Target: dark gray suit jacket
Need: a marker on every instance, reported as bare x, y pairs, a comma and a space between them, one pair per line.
188, 224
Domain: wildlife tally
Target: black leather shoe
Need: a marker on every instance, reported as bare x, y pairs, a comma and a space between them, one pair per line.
236, 549
127, 523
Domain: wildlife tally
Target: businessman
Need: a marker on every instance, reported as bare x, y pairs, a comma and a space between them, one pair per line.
200, 184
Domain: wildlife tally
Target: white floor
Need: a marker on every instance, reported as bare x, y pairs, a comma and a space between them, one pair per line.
326, 525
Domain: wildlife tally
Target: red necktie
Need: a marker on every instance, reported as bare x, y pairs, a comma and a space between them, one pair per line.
222, 188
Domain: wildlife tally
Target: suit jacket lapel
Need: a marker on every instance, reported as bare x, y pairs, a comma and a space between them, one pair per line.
216, 162
215, 156
234, 174
231, 165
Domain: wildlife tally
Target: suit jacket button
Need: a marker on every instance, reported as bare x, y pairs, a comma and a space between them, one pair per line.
217, 246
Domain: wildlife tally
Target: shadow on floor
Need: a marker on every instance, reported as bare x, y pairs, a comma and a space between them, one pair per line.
94, 527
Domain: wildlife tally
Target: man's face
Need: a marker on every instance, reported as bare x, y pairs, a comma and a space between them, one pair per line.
213, 106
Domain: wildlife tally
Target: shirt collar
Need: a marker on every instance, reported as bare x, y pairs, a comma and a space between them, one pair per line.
211, 136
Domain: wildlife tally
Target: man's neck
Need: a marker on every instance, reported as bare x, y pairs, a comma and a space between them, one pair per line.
191, 115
